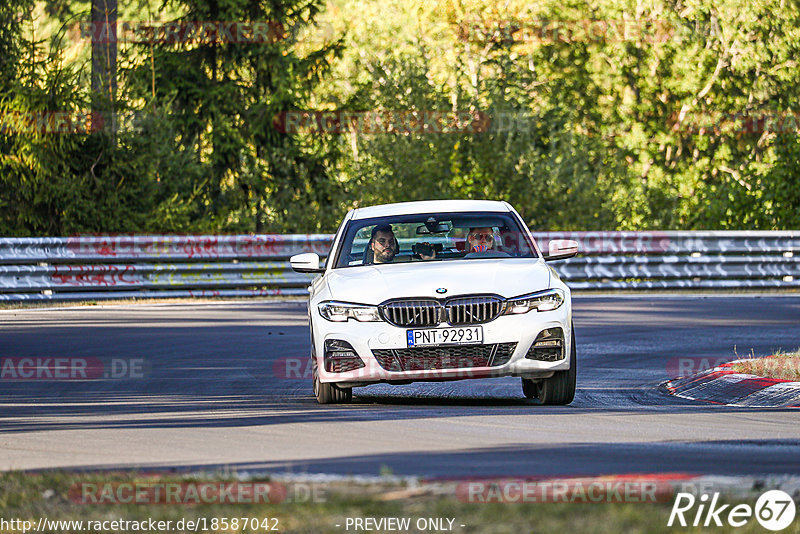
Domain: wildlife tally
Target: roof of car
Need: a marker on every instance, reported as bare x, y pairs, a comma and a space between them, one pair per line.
428, 206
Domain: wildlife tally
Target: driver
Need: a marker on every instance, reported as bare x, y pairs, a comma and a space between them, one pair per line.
383, 243
480, 239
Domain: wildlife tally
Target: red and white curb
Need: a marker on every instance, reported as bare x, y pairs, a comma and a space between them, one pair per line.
723, 385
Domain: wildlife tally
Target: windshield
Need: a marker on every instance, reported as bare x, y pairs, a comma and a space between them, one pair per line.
433, 237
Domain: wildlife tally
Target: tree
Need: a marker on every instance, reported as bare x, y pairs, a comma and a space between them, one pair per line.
224, 97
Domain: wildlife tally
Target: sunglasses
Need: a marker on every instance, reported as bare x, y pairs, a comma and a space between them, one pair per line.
482, 237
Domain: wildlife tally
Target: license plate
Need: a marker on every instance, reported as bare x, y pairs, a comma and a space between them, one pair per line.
444, 336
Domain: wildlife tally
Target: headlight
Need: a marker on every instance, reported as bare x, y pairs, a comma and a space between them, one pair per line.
342, 311
547, 300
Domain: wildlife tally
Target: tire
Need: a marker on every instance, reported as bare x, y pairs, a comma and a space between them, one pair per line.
559, 389
530, 388
329, 393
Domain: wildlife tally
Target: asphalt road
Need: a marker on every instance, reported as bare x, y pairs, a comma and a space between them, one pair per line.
221, 385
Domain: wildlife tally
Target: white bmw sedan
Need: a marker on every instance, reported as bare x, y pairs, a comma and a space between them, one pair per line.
439, 290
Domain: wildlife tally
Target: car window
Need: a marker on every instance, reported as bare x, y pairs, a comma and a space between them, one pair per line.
448, 234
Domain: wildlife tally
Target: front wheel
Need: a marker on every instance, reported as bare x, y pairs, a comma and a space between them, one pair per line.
329, 393
559, 389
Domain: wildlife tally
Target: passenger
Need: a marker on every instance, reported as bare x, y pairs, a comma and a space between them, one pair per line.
480, 239
383, 244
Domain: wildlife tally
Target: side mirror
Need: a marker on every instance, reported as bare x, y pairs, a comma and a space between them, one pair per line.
561, 249
306, 263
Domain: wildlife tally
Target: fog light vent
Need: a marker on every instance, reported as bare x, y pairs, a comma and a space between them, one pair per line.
341, 357
548, 346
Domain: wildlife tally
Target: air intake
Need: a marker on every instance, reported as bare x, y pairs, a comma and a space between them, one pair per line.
548, 346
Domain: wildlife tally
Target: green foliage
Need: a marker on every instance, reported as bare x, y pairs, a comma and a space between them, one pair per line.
579, 127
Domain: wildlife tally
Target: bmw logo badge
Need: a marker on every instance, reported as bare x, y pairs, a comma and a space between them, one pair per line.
441, 290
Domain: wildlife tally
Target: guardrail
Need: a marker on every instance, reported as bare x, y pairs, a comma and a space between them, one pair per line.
131, 266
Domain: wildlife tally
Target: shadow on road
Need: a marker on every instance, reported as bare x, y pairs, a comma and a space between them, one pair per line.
552, 460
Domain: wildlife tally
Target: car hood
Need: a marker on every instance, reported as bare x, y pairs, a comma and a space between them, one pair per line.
373, 285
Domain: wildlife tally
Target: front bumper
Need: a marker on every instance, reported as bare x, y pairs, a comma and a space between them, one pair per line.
368, 337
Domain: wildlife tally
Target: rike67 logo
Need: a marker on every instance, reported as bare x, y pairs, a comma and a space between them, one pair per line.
774, 510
